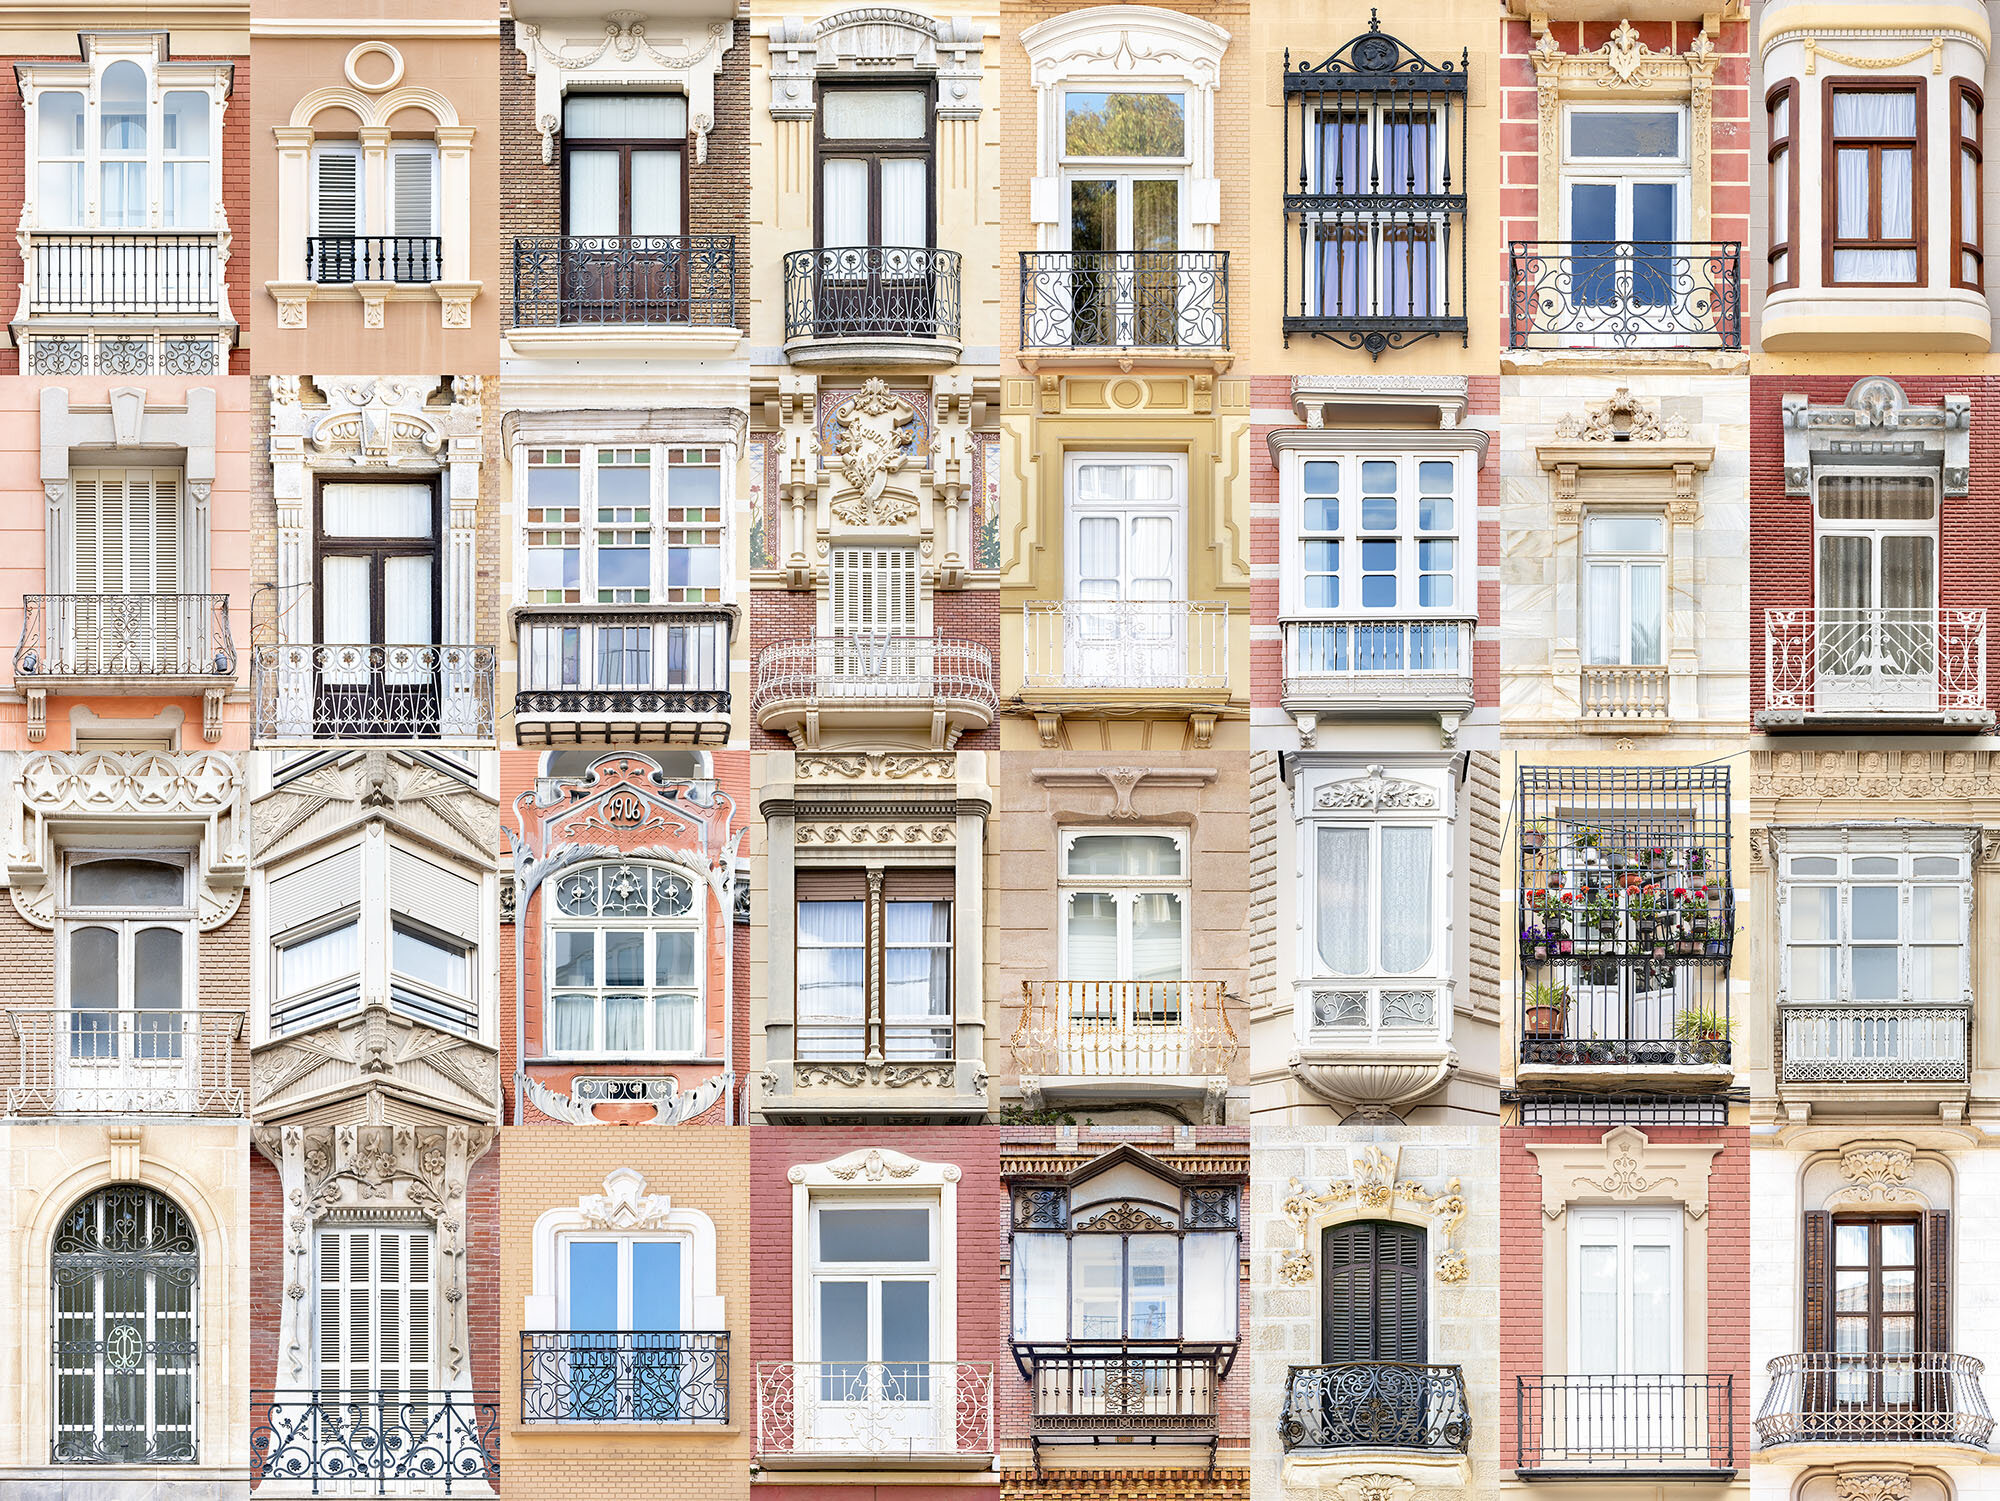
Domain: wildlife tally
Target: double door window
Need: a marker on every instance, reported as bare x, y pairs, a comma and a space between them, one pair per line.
378, 603
398, 243
373, 1311
1124, 162
873, 989
1875, 1311
1366, 261
1625, 206
127, 936
623, 1301
874, 1315
1126, 581
1624, 589
876, 217
1876, 605
1625, 1312
125, 612
624, 205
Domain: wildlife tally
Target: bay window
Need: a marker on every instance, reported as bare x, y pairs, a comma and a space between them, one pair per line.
1875, 197
625, 963
1878, 918
874, 964
1625, 568
1091, 1282
1968, 203
1781, 106
134, 154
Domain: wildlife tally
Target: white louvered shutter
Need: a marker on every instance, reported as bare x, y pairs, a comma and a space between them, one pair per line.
375, 1314
325, 886
336, 190
874, 597
126, 541
413, 201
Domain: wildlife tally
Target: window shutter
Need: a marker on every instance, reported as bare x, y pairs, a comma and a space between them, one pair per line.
875, 590
322, 887
1347, 1295
1818, 1231
1399, 1293
1937, 1279
336, 192
375, 1313
346, 1271
934, 884
830, 886
412, 178
87, 511
433, 895
166, 532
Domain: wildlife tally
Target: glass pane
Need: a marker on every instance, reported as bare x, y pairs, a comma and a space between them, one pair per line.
1597, 1309
1656, 219
873, 114
375, 510
906, 1335
1154, 1287
1934, 914
593, 192
318, 960
1874, 971
1156, 217
624, 117
1814, 973
656, 1284
1781, 117
156, 969
1899, 1290
1874, 113
127, 883
593, 1284
1124, 855
1091, 936
122, 105
1850, 1246
1157, 943
1648, 580
624, 958
1593, 216
1405, 907
1096, 1286
1612, 533
1899, 1244
93, 969
1874, 912
1815, 913
1093, 218
1652, 1310
843, 206
1041, 1286
429, 960
1108, 124
1850, 1290
874, 1234
574, 957
674, 959
843, 1321
1341, 896
1651, 133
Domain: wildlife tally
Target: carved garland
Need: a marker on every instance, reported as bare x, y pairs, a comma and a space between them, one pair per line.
1372, 1186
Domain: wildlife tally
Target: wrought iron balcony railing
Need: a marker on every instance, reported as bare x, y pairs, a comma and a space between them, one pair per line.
1608, 1424
1362, 663
1159, 1390
111, 273
625, 280
73, 1062
1624, 694
346, 1442
334, 260
1871, 1398
1847, 1042
627, 663
1166, 645
1124, 299
302, 691
1375, 1405
875, 670
125, 636
936, 1410
1878, 664
871, 292
1627, 294
671, 1376
1124, 1029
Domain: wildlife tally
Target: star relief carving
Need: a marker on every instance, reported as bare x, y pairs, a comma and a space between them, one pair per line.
876, 433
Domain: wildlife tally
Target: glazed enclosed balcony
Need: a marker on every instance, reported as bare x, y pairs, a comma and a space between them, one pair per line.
1924, 1397
142, 1062
1111, 1040
668, 1376
1912, 1042
863, 1414
1624, 296
123, 302
1380, 1407
398, 260
387, 1442
307, 692
1660, 1428
833, 685
622, 672
1121, 302
145, 643
1154, 1392
872, 304
1410, 665
1851, 669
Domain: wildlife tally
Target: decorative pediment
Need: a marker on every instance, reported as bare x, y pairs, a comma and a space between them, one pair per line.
1622, 418
1624, 1167
1876, 423
671, 1104
1625, 64
625, 49
328, 800
1372, 1190
1878, 1175
625, 1204
1125, 41
875, 41
1376, 792
874, 1165
375, 1049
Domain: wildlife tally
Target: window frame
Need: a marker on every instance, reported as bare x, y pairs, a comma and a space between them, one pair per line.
1876, 531
1919, 1313
1884, 844
930, 1271
1349, 537
694, 921
625, 1240
1628, 1216
126, 924
1624, 559
378, 550
1621, 173
1919, 243
1123, 890
1789, 144
1175, 509
343, 992
624, 150
663, 459
1964, 92
874, 1021
159, 82
874, 151
1378, 1316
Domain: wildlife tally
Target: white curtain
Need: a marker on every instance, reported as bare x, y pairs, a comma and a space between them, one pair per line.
1097, 567
872, 114
656, 192
369, 510
905, 202
1210, 1310
1342, 897
829, 957
1041, 1287
1647, 608
1151, 573
624, 1023
624, 117
843, 208
678, 1020
1602, 585
344, 600
593, 193
1156, 936
319, 960
571, 1023
1406, 899
917, 986
1881, 117
1846, 572
407, 609
1091, 937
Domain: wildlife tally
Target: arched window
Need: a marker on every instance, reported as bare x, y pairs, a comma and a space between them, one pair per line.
124, 1276
624, 960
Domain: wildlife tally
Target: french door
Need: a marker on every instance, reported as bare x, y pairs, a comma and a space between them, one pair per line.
874, 613
876, 223
1624, 1338
1126, 621
378, 608
124, 611
627, 1358
1876, 603
373, 1325
1875, 1307
624, 189
1372, 1314
1624, 232
1124, 235
874, 1311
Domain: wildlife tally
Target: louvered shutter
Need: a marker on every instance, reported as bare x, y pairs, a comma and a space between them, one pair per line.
1399, 1294
1818, 1232
336, 191
1937, 1280
375, 1314
413, 199
875, 590
1372, 1294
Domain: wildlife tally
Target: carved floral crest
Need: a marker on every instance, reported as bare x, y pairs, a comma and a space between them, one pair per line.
625, 1204
1374, 792
1372, 1187
875, 439
1880, 1175
1621, 418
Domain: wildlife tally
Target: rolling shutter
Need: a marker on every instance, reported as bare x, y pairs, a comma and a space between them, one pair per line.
336, 190
374, 1289
432, 895
325, 886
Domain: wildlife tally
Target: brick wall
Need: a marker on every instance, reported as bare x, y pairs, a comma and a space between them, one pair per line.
779, 615
972, 615
267, 1270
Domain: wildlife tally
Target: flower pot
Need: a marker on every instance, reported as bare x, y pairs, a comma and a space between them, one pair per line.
1544, 1021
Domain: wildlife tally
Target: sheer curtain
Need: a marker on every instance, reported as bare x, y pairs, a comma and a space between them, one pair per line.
184, 128
1342, 878
905, 202
571, 1023
656, 193
1156, 936
916, 997
843, 209
593, 192
1092, 937
1406, 899
367, 510
1602, 587
830, 964
1209, 1310
1041, 1287
1647, 581
1886, 118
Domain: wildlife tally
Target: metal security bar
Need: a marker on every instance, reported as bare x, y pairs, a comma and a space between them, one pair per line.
1577, 1109
1375, 1405
357, 1443
874, 1409
671, 1376
125, 635
1607, 1424
871, 291
334, 260
305, 691
75, 1062
1625, 916
1123, 1029
875, 669
1175, 645
625, 279
101, 274
1870, 1397
1889, 1044
1125, 299
1374, 244
1626, 294
1875, 663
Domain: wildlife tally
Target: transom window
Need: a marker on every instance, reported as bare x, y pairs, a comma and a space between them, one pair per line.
649, 539
135, 156
1876, 925
1624, 589
625, 962
127, 946
1875, 188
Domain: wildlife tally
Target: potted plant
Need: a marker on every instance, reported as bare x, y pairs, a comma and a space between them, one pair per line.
1534, 835
1654, 859
1546, 1010
1589, 841
1600, 911
1646, 909
1556, 908
1535, 943
1705, 1032
1697, 861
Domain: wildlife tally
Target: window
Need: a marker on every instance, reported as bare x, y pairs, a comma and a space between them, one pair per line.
874, 153
874, 591
1625, 191
1377, 534
430, 977
125, 1277
319, 976
122, 122
1124, 155
1875, 1310
1875, 190
1875, 536
1374, 898
1089, 1283
373, 1310
349, 245
377, 565
617, 487
60, 133
127, 940
623, 543
625, 1296
1373, 1282
875, 988
1781, 105
184, 146
694, 525
1968, 201
873, 1275
625, 963
624, 164
554, 525
124, 614
1125, 900
1885, 925
1624, 589
1625, 1309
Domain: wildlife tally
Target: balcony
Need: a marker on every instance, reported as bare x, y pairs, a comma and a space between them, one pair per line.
401, 260
1379, 1408
1854, 1043
1164, 1393
1863, 669
302, 691
1373, 1045
1125, 656
863, 1414
872, 304
1122, 302
123, 302
623, 672
1625, 297
1862, 1398
624, 295
1124, 1040
128, 1063
1420, 665
1623, 698
664, 1377
1648, 1427
374, 1443
873, 683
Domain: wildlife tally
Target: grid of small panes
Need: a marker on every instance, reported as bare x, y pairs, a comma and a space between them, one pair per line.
623, 530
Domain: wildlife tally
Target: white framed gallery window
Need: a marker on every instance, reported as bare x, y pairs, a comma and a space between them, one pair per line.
1876, 916
1625, 571
138, 151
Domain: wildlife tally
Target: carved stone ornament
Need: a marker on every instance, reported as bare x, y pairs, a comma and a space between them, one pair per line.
1880, 1175
892, 766
345, 1058
873, 1166
671, 1104
395, 785
871, 41
1372, 1190
1621, 418
1873, 1485
625, 1204
1877, 424
1623, 1166
619, 51
875, 1074
1375, 1487
1375, 792
876, 431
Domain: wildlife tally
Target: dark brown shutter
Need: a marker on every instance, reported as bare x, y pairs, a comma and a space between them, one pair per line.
1819, 1230
1399, 1294
1372, 1293
1937, 1280
933, 884
830, 885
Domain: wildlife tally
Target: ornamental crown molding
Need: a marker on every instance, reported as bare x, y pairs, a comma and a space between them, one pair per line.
880, 1166
1372, 1190
1375, 791
1874, 776
1624, 1167
1125, 40
1872, 1485
1875, 423
625, 1204
671, 1104
871, 41
1878, 1175
373, 421
1626, 63
1621, 418
419, 799
1313, 396
1123, 781
620, 50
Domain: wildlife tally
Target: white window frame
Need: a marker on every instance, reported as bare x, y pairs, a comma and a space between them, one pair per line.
1293, 535
1906, 846
1876, 531
1124, 171
125, 922
1174, 508
694, 921
1636, 1225
1624, 560
624, 1240
1622, 172
873, 1273
591, 1217
1122, 890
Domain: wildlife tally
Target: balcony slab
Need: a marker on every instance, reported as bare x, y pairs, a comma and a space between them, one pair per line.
912, 353
1325, 1469
1375, 1078
621, 341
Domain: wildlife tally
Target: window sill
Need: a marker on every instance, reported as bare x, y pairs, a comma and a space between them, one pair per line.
454, 298
652, 1433
1326, 1468
1862, 320
624, 341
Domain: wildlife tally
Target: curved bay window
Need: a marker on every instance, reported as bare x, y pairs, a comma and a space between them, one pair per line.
624, 962
124, 1280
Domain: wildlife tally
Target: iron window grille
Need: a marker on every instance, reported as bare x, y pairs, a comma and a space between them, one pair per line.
1554, 1108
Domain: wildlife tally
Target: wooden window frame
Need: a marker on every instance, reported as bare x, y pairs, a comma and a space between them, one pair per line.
1830, 173
624, 150
1963, 244
874, 152
1789, 141
378, 549
906, 884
